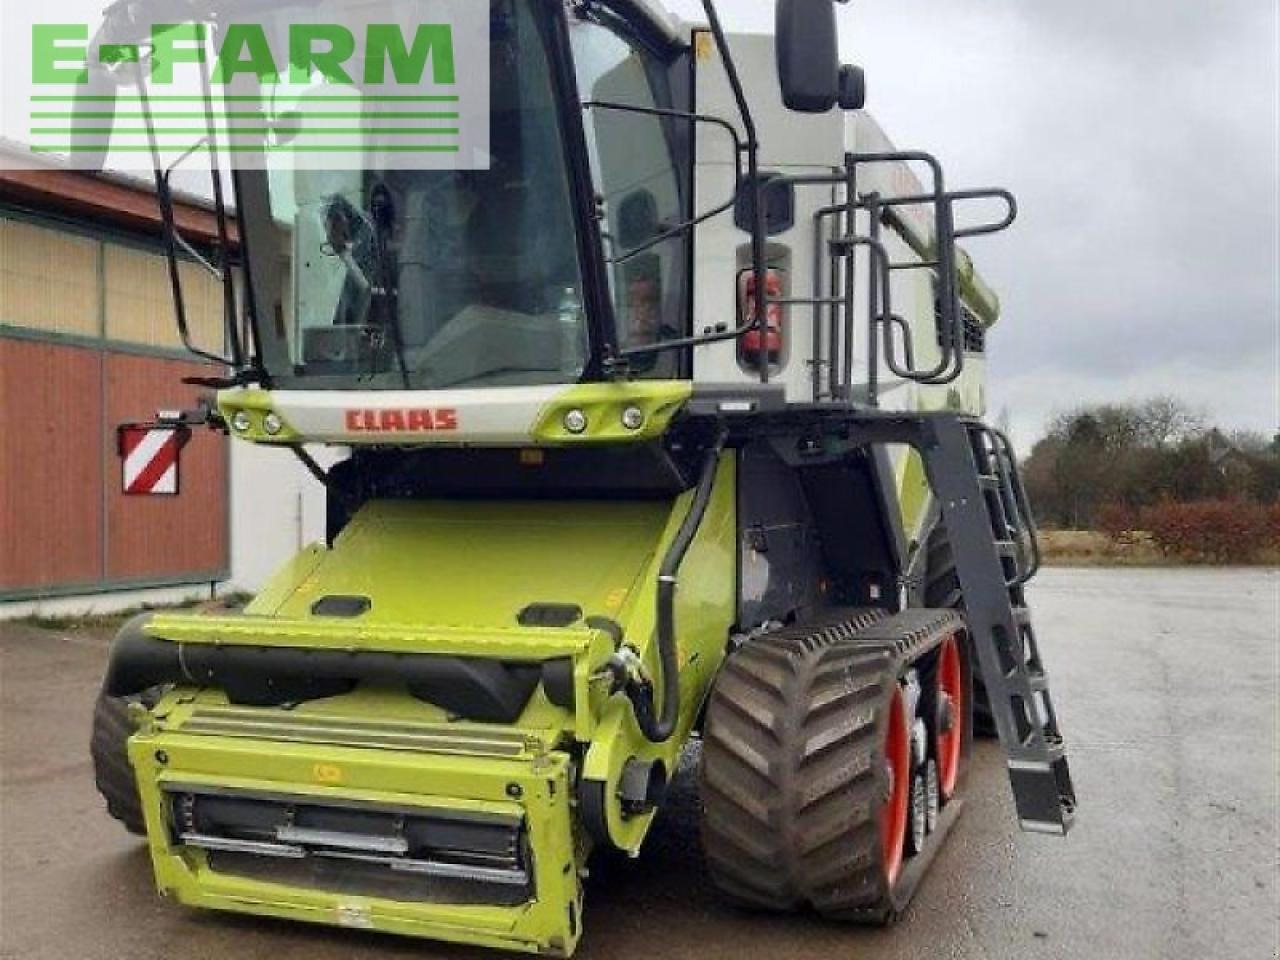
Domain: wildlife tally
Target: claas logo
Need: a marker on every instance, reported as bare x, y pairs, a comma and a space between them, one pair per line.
402, 421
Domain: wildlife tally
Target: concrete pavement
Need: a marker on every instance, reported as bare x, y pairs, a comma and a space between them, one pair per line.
1166, 682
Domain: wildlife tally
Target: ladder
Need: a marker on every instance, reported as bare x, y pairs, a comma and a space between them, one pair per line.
974, 474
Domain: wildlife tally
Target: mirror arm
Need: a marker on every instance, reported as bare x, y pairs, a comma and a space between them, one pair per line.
759, 225
673, 232
172, 238
739, 148
750, 148
724, 124
229, 306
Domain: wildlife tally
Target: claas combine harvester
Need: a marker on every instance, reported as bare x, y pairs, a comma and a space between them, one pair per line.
664, 429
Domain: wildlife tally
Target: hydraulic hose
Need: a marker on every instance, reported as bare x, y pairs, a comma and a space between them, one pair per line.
660, 728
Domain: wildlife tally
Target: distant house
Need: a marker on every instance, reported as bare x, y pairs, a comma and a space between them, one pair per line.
1235, 466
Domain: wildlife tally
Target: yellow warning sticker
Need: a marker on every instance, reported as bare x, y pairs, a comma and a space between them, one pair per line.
326, 773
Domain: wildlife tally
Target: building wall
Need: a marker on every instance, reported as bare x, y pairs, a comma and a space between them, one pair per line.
86, 344
277, 508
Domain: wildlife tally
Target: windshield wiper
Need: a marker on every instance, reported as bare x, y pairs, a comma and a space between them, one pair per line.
383, 212
353, 237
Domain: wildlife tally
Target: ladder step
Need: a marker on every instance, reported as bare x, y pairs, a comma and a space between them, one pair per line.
1043, 795
1042, 756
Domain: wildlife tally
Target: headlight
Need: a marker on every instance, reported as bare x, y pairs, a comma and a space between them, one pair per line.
575, 421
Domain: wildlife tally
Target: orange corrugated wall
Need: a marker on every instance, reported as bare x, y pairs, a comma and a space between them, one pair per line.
51, 465
63, 521
160, 537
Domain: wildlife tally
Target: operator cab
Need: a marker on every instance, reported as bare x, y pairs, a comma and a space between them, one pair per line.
533, 271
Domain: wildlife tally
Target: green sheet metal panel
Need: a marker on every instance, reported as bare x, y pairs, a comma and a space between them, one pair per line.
477, 564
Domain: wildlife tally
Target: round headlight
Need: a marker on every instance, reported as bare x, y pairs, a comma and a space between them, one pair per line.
272, 424
241, 421
575, 421
633, 418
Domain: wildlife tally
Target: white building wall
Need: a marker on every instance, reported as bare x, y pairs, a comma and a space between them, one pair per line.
277, 507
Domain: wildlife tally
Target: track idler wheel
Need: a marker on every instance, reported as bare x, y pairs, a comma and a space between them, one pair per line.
896, 814
951, 704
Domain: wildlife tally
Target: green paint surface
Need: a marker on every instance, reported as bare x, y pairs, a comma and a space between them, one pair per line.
477, 564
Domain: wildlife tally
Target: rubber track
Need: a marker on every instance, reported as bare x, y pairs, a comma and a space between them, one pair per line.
112, 772
792, 773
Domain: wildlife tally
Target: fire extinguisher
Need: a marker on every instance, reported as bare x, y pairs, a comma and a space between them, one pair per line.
769, 338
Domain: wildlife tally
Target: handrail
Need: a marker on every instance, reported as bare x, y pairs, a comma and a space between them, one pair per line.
939, 253
1022, 503
951, 362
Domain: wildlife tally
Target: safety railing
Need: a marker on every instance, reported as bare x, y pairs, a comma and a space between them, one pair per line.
836, 245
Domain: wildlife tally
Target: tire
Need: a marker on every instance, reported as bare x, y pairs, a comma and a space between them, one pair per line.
942, 592
794, 785
112, 772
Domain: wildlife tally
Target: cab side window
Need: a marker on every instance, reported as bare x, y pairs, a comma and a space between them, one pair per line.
634, 159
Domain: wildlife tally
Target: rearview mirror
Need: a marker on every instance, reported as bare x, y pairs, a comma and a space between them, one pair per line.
853, 88
808, 55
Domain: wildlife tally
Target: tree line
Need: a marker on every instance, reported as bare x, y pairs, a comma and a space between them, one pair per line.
1101, 461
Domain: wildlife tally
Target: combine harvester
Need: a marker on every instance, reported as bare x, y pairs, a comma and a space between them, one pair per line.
666, 428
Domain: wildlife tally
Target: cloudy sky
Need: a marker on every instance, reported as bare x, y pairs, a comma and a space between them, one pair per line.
1141, 139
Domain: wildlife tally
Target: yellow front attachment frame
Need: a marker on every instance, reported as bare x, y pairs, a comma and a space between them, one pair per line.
521, 779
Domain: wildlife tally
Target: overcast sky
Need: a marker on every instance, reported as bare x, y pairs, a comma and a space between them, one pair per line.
1141, 140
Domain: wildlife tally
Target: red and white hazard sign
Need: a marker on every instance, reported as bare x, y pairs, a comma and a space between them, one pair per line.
150, 459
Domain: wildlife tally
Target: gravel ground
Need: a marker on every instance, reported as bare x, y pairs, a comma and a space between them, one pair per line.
1166, 683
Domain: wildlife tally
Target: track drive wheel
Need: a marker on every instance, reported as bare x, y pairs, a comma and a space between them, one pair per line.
950, 703
806, 776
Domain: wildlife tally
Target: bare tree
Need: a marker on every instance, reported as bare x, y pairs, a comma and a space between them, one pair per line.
1165, 421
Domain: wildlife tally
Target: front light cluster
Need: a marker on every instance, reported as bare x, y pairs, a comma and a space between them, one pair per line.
577, 422
248, 423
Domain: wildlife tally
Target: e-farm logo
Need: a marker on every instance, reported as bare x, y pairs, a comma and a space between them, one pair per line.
399, 84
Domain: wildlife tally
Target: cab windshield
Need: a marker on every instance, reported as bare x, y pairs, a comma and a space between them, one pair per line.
427, 280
